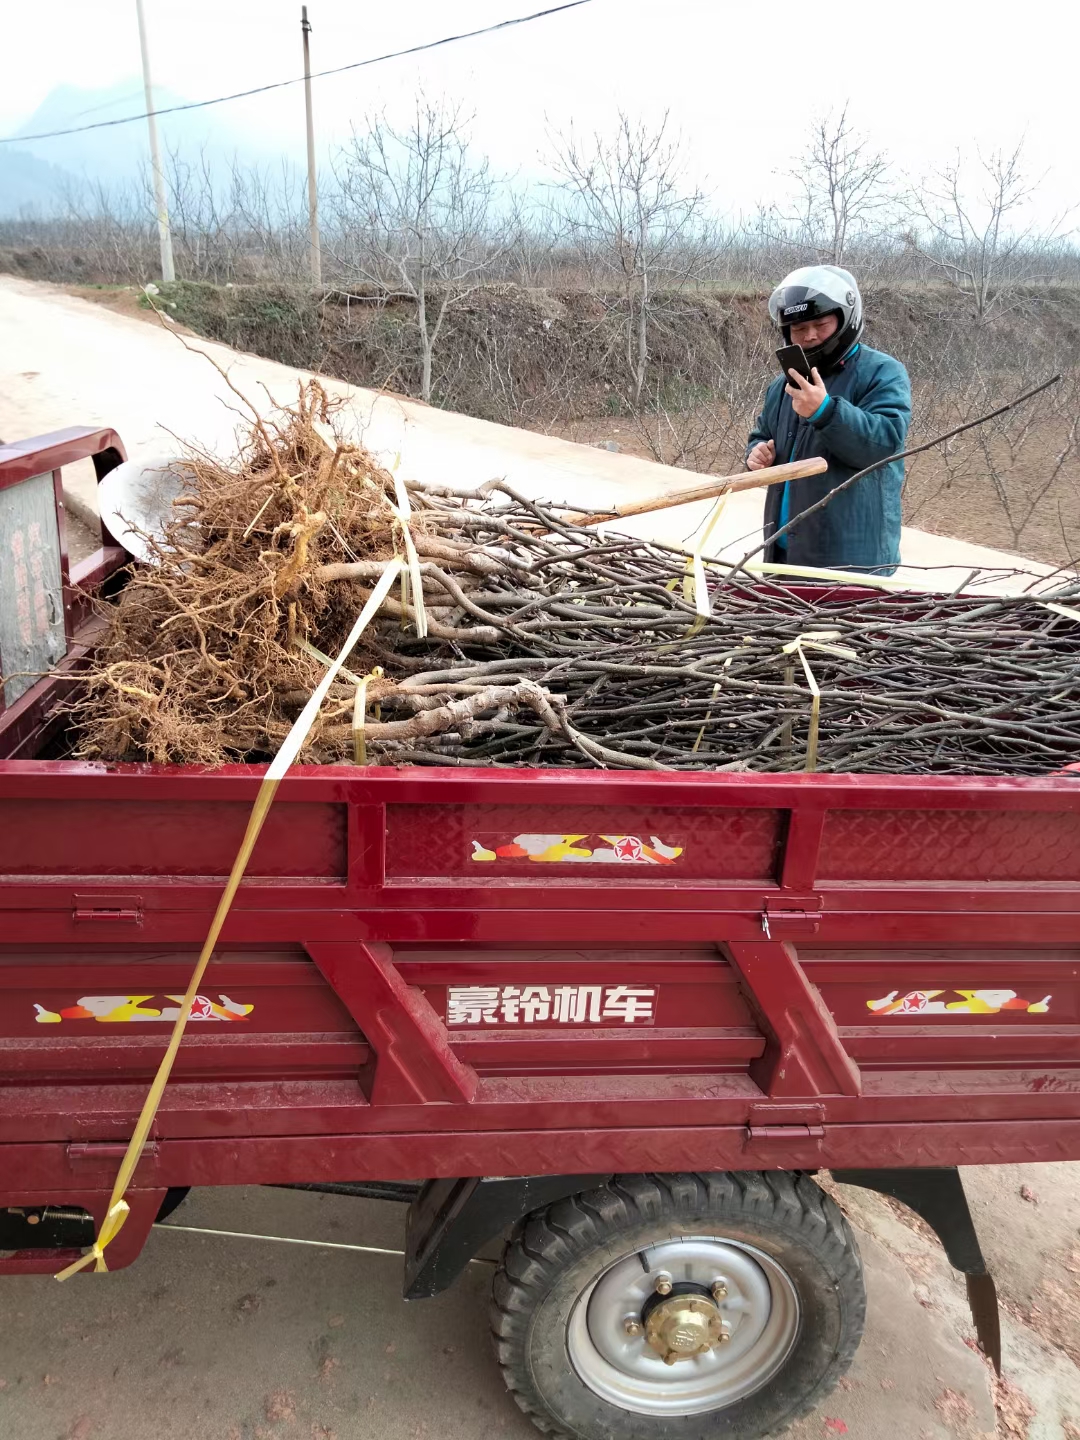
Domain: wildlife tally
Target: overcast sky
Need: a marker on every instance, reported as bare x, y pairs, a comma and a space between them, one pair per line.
741, 80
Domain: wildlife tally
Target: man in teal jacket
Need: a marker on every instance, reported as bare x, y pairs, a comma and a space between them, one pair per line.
854, 410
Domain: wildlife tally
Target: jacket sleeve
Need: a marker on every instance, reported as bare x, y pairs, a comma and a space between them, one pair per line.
876, 425
763, 425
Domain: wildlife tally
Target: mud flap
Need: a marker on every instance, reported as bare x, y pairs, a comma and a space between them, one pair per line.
450, 1220
938, 1197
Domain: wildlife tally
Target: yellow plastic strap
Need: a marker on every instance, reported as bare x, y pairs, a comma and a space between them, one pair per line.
696, 566
359, 703
816, 640
839, 577
118, 1208
708, 715
360, 716
403, 511
1067, 610
317, 654
695, 585
110, 1227
358, 723
710, 525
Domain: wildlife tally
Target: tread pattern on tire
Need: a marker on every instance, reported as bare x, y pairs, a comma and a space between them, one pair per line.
544, 1243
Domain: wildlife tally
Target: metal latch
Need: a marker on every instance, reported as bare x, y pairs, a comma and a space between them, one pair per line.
800, 911
126, 909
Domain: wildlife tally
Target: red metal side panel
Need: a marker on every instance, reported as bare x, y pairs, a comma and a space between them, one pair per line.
510, 1010
101, 1015
962, 844
952, 1009
531, 843
133, 838
564, 999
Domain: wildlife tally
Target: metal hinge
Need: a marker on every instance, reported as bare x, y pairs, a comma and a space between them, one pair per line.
800, 911
105, 1149
785, 1132
126, 909
785, 1122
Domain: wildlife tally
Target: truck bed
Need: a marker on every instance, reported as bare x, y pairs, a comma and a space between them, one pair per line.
440, 973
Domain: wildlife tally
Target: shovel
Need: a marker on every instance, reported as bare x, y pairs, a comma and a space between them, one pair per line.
135, 502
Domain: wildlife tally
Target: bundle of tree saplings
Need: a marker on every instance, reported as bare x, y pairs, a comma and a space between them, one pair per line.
534, 640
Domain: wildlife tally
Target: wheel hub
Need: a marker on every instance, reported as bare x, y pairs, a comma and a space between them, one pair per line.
684, 1326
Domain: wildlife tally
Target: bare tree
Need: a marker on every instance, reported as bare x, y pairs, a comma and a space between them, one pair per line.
536, 241
709, 434
845, 188
1006, 482
1025, 459
414, 212
625, 205
964, 228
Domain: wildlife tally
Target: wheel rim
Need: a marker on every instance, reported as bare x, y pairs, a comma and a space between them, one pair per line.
760, 1312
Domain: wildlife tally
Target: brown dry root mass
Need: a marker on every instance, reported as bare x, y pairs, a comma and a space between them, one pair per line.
547, 644
197, 663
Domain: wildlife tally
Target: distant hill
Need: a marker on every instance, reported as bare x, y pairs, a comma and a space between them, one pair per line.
117, 154
29, 184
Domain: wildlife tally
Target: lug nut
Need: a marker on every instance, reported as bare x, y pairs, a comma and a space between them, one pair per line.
632, 1326
719, 1291
663, 1285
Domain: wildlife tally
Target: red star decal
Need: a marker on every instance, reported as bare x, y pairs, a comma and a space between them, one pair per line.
915, 1001
201, 1008
628, 848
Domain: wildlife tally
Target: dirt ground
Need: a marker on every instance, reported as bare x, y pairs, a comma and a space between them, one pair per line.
1028, 1220
123, 299
209, 1337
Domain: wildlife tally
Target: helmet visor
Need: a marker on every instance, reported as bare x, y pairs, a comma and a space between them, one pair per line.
796, 305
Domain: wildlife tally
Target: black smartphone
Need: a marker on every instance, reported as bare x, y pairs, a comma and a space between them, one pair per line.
792, 357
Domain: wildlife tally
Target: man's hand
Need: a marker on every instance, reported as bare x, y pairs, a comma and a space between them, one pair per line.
763, 454
807, 396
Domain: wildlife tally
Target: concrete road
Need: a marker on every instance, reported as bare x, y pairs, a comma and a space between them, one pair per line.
213, 1338
208, 1338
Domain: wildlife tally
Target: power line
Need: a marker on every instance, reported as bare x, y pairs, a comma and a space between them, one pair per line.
281, 84
106, 104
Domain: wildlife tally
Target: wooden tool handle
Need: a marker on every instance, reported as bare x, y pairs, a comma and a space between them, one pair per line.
709, 489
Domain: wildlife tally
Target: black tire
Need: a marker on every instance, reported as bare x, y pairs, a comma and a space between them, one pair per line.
554, 1255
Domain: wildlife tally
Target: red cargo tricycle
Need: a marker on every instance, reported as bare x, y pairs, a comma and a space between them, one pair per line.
623, 1018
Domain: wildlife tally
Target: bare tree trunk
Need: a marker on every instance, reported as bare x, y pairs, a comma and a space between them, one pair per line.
425, 343
642, 327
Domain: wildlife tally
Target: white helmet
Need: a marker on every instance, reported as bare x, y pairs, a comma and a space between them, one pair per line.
811, 292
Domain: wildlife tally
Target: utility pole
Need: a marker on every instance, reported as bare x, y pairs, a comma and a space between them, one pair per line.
168, 272
312, 187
